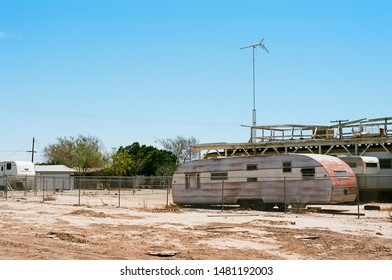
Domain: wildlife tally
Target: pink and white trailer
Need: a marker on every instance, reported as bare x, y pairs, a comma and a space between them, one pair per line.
263, 181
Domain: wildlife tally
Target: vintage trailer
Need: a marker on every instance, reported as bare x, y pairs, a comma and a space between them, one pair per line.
362, 165
16, 174
263, 181
367, 170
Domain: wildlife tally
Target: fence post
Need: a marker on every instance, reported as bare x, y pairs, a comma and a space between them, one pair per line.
223, 187
284, 194
167, 192
43, 190
119, 191
35, 186
54, 185
79, 189
358, 199
6, 188
25, 187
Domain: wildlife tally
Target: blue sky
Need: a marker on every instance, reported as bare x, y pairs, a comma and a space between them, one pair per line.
127, 71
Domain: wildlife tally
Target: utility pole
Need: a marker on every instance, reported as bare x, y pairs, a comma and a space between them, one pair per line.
32, 150
261, 45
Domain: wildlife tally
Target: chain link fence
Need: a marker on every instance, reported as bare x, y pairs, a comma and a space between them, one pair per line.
151, 191
114, 191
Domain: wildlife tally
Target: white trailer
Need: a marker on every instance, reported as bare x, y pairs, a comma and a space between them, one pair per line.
367, 170
16, 174
362, 165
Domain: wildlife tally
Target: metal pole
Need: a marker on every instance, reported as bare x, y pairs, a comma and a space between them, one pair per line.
167, 192
254, 98
6, 188
25, 187
358, 199
43, 191
119, 192
223, 185
79, 189
284, 194
35, 186
261, 45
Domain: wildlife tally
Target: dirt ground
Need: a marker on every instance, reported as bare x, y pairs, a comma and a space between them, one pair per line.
142, 228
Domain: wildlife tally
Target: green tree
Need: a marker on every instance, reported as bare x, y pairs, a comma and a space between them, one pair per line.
83, 153
148, 160
121, 164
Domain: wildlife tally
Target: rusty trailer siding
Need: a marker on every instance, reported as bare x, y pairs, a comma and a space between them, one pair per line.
263, 178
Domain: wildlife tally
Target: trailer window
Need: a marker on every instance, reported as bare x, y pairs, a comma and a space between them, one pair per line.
251, 167
252, 179
192, 181
308, 172
341, 173
219, 176
8, 165
371, 164
385, 163
287, 166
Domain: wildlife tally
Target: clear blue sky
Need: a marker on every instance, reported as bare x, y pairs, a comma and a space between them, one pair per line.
127, 71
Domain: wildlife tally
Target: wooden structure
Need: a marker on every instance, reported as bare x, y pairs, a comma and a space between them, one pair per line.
361, 137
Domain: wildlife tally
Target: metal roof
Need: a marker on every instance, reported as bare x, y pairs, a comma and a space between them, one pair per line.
54, 169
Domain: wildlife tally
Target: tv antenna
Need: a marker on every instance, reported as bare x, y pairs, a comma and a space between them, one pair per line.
261, 45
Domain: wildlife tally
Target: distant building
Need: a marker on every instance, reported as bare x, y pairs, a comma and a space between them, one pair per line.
54, 177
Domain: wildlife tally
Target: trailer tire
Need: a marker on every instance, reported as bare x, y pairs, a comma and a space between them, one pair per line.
269, 206
372, 207
253, 204
257, 204
282, 206
244, 204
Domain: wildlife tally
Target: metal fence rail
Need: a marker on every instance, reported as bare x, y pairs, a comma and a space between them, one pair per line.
154, 190
46, 188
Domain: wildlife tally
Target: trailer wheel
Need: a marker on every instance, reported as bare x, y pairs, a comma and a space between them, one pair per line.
252, 204
244, 204
269, 206
257, 205
282, 206
372, 207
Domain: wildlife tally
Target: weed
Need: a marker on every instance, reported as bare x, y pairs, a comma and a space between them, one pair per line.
50, 198
298, 207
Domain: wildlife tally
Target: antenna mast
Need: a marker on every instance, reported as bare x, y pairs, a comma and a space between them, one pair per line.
261, 45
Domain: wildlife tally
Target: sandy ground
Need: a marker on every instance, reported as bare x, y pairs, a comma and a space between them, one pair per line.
142, 228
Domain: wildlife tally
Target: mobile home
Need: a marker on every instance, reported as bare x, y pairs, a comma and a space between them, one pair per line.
16, 174
367, 170
362, 165
263, 181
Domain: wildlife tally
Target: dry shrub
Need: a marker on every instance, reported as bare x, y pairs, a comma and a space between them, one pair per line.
50, 198
298, 208
168, 208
